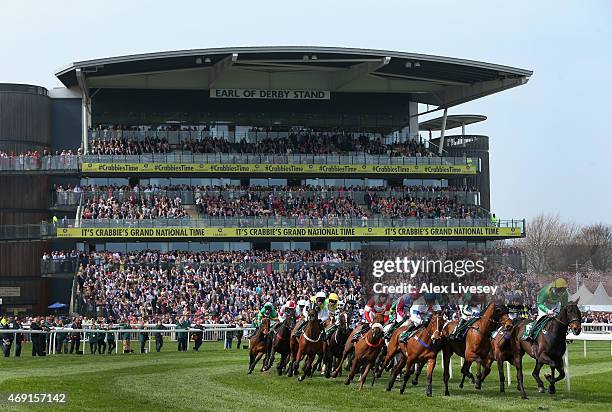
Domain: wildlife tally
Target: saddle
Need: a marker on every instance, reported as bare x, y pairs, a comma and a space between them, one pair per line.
461, 330
409, 333
533, 328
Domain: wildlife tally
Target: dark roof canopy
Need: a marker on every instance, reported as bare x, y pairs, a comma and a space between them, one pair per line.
440, 81
452, 121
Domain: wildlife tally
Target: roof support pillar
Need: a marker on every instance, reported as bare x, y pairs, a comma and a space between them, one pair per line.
219, 68
85, 110
442, 131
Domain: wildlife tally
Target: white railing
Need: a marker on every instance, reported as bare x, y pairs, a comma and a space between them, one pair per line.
597, 327
211, 333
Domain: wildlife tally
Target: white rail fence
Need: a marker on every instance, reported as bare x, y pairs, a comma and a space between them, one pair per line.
210, 333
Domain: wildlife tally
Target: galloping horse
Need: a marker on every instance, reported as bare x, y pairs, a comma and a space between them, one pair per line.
476, 347
422, 348
366, 349
259, 345
310, 344
349, 346
502, 351
334, 345
281, 343
549, 347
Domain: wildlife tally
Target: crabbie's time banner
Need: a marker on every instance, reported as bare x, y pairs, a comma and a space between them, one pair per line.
289, 232
214, 168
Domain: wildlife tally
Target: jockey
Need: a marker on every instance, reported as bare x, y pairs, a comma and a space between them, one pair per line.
318, 301
421, 313
375, 305
286, 309
551, 299
470, 309
333, 303
302, 303
267, 311
516, 305
399, 312
352, 311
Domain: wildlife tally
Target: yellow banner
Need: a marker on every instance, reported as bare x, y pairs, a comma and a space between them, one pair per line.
289, 232
224, 168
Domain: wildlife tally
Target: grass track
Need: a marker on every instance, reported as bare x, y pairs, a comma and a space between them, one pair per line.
216, 380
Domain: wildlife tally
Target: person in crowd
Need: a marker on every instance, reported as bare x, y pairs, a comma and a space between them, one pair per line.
159, 336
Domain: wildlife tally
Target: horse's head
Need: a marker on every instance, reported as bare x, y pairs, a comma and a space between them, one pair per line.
343, 321
313, 313
500, 315
264, 328
379, 317
436, 326
573, 317
290, 319
377, 330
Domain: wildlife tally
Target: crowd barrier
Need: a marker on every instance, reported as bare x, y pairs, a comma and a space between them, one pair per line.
211, 333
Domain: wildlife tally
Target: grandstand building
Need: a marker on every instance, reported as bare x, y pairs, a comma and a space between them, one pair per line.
242, 148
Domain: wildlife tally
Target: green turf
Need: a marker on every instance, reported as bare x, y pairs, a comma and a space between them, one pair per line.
216, 380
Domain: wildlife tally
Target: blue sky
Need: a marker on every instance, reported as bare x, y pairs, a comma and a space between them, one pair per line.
550, 149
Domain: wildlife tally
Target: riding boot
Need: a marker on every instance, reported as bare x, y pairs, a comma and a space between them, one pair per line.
364, 329
300, 328
457, 330
392, 329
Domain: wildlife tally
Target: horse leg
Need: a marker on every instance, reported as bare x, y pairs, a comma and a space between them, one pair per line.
431, 364
257, 358
385, 364
518, 363
417, 373
296, 363
409, 363
502, 378
307, 369
536, 376
486, 369
446, 355
338, 370
465, 371
394, 372
558, 365
364, 375
251, 360
355, 365
269, 361
350, 357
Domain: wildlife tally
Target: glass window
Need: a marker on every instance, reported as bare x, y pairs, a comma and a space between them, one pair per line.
135, 246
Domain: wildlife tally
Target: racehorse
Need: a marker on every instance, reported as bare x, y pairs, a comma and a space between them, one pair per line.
549, 347
422, 348
334, 345
281, 343
366, 350
310, 344
476, 346
259, 345
349, 347
502, 352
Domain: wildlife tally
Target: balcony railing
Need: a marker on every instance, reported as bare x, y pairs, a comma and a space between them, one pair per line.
188, 197
47, 229
72, 264
250, 221
72, 163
